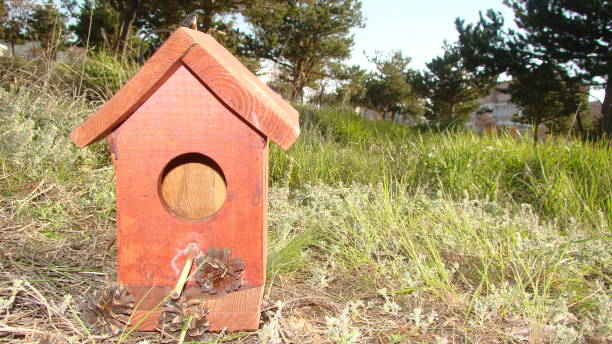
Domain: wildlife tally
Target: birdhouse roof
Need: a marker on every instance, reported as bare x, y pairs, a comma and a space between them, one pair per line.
232, 83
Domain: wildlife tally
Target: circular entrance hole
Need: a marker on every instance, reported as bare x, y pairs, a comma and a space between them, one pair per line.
192, 186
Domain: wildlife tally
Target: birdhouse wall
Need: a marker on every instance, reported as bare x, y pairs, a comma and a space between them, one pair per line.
184, 116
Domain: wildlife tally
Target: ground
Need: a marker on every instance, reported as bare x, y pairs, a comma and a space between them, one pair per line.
378, 233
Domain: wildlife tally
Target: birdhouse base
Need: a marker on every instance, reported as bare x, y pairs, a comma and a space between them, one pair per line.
236, 311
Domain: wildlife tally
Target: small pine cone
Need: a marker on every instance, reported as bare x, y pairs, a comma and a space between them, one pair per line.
108, 311
175, 313
218, 273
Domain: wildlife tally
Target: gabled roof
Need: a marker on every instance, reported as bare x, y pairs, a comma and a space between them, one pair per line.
218, 69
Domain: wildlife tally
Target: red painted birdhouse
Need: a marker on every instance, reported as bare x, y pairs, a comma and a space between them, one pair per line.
189, 141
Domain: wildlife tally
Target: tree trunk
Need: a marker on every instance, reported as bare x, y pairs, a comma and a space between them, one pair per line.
321, 93
128, 11
536, 126
297, 87
579, 123
452, 108
606, 111
124, 32
207, 21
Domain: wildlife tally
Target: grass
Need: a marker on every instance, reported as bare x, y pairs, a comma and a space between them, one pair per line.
567, 180
377, 232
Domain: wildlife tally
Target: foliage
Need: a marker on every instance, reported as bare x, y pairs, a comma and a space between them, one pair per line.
556, 31
451, 89
14, 21
482, 45
387, 90
568, 31
489, 50
577, 33
304, 38
352, 87
546, 94
48, 26
96, 26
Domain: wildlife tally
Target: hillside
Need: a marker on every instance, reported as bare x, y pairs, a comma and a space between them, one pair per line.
377, 232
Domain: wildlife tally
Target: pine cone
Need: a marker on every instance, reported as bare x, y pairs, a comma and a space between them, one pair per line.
108, 311
175, 313
217, 273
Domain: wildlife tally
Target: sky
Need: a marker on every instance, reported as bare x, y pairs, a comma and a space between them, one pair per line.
417, 28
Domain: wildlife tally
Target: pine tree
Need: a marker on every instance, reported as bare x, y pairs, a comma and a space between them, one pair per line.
47, 25
546, 94
3, 16
352, 85
577, 32
488, 49
304, 38
15, 20
208, 11
96, 25
451, 89
387, 90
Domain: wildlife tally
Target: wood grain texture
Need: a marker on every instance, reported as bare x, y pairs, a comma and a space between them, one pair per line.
237, 87
193, 187
183, 117
237, 311
135, 92
230, 81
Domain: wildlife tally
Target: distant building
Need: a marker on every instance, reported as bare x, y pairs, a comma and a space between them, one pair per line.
406, 119
32, 50
27, 50
4, 49
496, 111
70, 55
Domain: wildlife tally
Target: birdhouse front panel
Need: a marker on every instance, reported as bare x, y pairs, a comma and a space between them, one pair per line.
188, 171
189, 140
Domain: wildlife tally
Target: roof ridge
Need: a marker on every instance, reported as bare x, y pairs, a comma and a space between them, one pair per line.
231, 81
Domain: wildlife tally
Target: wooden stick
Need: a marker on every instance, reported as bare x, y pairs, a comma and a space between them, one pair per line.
183, 277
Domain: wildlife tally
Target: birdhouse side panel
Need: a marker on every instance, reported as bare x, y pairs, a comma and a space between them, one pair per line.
188, 172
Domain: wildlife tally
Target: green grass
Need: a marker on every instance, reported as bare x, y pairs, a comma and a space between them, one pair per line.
566, 180
404, 229
490, 226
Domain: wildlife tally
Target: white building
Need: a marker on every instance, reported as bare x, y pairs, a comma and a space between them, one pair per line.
27, 50
4, 49
496, 110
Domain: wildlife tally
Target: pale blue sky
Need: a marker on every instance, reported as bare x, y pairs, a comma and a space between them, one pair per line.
417, 28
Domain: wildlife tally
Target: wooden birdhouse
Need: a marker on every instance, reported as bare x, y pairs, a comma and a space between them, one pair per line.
189, 141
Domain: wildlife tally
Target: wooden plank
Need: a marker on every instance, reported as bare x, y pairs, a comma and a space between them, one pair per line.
233, 83
237, 311
237, 87
135, 92
193, 187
